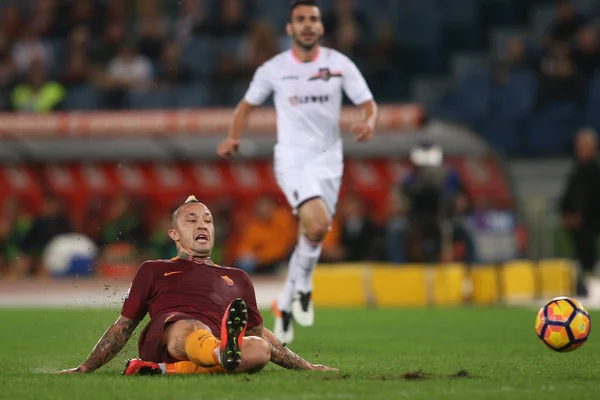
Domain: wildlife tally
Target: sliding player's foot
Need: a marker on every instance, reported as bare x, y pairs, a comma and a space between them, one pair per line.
284, 325
233, 328
302, 309
136, 366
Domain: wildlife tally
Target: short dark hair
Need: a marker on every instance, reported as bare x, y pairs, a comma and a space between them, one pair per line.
298, 3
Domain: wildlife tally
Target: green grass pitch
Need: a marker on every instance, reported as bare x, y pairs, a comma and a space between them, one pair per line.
374, 349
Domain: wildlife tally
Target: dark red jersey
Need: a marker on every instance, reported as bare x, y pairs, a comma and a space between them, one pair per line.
196, 288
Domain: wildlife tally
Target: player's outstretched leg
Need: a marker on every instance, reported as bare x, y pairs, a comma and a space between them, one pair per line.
256, 354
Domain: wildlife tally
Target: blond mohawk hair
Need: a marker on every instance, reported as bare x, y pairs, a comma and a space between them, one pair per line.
191, 199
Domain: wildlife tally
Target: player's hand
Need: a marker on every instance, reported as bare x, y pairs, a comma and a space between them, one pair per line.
319, 367
70, 371
363, 131
228, 148
78, 370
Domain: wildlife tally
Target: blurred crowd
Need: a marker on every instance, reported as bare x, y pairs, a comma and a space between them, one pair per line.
122, 54
530, 97
423, 219
50, 49
565, 60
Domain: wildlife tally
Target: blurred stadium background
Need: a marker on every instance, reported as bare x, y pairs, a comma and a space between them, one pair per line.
113, 110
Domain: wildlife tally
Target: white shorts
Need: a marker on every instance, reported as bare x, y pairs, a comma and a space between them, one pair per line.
299, 186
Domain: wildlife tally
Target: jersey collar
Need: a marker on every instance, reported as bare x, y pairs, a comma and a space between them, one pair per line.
297, 60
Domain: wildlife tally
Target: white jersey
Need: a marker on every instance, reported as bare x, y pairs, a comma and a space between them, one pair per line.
308, 100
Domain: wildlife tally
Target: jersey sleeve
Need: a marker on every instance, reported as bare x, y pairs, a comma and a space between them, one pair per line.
135, 305
354, 83
260, 87
254, 317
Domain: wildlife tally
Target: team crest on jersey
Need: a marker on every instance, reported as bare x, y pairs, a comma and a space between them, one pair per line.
325, 74
227, 280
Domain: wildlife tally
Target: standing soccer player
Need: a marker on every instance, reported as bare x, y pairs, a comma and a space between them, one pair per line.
307, 82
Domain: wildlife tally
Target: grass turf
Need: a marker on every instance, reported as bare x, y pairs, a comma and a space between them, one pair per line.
490, 353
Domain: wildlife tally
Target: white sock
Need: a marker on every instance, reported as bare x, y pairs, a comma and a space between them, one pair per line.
303, 266
284, 300
163, 367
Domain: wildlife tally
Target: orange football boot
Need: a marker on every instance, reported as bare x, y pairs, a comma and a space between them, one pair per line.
136, 366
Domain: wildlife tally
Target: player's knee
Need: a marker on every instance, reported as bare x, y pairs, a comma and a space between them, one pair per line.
201, 326
263, 349
315, 230
256, 352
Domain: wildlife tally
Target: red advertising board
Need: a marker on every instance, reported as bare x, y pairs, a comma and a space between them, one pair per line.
164, 185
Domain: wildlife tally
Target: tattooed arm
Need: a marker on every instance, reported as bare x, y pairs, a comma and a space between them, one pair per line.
109, 345
281, 355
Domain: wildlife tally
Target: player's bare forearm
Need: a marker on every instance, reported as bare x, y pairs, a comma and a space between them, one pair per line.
240, 119
369, 111
280, 354
110, 344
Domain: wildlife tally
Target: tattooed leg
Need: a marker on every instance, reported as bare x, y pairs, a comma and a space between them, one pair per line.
256, 354
177, 333
258, 348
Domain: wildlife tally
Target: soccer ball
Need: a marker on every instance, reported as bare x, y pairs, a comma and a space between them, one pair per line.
563, 324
